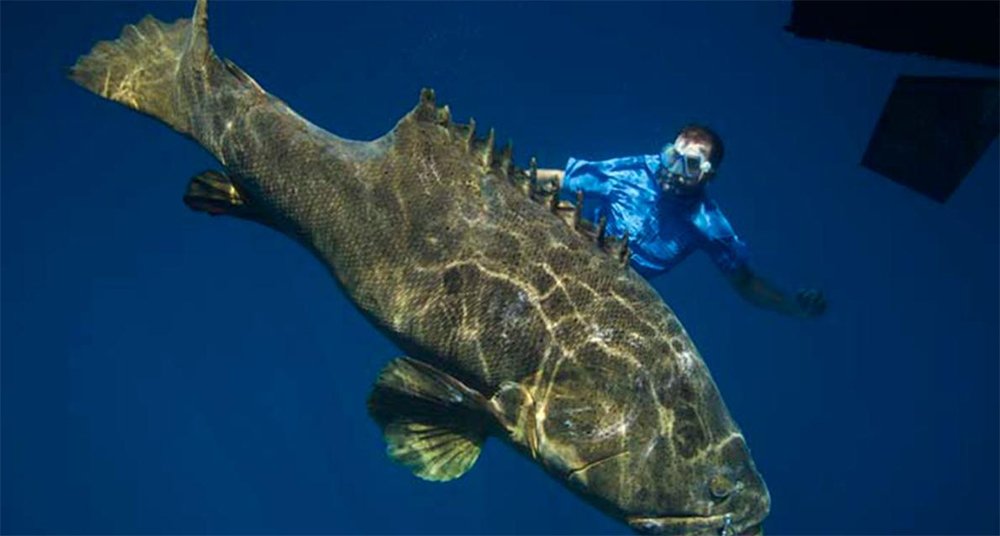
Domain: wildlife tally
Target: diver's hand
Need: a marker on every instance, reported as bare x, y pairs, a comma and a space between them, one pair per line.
550, 180
811, 302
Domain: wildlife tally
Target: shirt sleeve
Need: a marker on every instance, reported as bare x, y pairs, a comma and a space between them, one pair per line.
594, 178
599, 177
720, 242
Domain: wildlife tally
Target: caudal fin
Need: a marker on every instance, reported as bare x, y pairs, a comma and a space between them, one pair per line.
141, 69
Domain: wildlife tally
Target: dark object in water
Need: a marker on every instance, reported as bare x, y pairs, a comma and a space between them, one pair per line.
962, 31
932, 132
933, 129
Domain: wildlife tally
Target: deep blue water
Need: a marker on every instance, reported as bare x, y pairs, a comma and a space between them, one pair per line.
167, 372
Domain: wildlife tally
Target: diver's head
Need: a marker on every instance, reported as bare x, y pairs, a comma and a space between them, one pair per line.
649, 440
691, 160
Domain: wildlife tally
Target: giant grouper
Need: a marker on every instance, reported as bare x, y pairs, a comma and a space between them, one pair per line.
517, 318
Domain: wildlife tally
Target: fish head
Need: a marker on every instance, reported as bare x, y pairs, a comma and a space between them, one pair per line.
649, 442
723, 494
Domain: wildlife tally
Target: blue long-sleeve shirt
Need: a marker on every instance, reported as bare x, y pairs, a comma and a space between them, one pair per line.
663, 228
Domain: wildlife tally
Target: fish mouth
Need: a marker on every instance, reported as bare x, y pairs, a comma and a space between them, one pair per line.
721, 524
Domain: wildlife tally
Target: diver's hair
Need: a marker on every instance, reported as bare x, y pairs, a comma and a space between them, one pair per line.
703, 134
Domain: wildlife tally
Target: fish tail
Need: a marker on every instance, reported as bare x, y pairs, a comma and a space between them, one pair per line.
143, 68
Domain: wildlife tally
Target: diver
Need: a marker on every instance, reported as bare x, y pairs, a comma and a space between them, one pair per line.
659, 202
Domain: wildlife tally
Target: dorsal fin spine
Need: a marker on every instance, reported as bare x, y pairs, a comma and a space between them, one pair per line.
487, 151
507, 158
427, 97
577, 209
471, 134
602, 227
625, 253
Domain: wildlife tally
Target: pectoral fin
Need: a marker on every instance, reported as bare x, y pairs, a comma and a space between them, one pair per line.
432, 452
214, 193
432, 423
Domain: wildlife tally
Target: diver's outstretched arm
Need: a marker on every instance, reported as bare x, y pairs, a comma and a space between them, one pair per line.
553, 175
806, 303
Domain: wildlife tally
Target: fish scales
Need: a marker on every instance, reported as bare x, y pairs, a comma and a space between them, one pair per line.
517, 318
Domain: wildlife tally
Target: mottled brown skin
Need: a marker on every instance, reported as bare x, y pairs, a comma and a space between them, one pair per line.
433, 237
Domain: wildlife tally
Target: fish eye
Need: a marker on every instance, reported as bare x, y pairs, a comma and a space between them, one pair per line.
720, 486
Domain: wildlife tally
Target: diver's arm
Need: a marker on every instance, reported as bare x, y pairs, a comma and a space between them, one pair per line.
804, 304
551, 174
550, 180
593, 178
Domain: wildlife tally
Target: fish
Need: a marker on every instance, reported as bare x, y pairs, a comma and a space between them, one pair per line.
517, 319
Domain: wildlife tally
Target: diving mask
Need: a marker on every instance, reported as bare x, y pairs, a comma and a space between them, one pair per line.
685, 169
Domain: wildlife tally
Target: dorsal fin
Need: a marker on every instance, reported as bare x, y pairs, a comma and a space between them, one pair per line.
543, 192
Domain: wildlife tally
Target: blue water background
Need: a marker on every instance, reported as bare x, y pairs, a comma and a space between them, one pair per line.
163, 371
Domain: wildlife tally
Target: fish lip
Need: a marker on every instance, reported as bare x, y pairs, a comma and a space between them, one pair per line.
679, 524
685, 524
